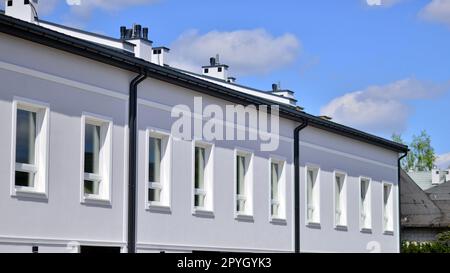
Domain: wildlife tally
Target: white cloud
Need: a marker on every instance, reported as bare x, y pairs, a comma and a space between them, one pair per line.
443, 161
437, 11
381, 109
247, 52
382, 3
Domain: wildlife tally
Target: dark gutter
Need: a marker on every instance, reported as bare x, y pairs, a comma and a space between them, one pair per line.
297, 184
399, 169
132, 159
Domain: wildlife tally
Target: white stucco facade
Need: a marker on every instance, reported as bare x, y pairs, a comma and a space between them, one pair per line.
59, 219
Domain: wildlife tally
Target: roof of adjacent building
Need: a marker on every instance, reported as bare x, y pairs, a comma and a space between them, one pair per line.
419, 208
107, 55
422, 179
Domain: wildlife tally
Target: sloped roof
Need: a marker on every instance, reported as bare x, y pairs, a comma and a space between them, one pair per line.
422, 179
420, 208
47, 37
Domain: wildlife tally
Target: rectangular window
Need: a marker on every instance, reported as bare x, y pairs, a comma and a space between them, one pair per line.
203, 177
243, 178
154, 170
365, 205
158, 170
25, 148
97, 150
274, 181
200, 192
340, 200
388, 209
30, 138
277, 189
312, 195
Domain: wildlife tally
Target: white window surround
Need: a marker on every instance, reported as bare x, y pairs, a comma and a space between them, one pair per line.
281, 217
246, 215
365, 223
388, 209
312, 208
164, 205
40, 167
105, 160
342, 211
208, 180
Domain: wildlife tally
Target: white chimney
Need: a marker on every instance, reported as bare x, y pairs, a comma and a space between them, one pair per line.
215, 69
160, 55
139, 37
447, 175
25, 10
276, 90
438, 177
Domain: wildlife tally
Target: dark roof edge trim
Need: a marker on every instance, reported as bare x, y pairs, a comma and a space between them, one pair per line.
121, 60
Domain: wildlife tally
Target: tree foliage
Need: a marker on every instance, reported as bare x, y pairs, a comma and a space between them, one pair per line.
421, 156
441, 245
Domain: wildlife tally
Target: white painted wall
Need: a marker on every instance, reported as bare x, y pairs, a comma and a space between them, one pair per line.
331, 152
72, 85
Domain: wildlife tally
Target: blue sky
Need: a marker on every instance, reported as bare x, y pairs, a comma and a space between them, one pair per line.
382, 67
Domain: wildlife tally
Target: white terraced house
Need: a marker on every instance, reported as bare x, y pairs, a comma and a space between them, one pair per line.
89, 160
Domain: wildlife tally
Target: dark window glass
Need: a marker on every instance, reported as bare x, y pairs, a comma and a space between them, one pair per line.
91, 187
220, 69
24, 179
25, 136
92, 149
154, 160
206, 70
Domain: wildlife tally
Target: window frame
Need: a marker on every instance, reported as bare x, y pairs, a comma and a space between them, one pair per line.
363, 228
41, 165
282, 196
165, 184
208, 180
313, 223
388, 230
247, 215
105, 160
344, 203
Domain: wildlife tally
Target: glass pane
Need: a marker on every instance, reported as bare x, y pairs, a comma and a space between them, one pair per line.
274, 209
91, 187
154, 195
25, 137
240, 206
275, 177
154, 162
338, 199
92, 149
387, 193
199, 200
240, 172
310, 184
199, 168
24, 179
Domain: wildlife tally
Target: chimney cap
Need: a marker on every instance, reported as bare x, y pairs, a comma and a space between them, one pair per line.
326, 118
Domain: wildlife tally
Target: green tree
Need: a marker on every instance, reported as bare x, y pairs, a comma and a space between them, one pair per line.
421, 156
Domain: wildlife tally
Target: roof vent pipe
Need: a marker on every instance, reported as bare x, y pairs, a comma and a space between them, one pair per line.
123, 32
137, 31
145, 33
212, 61
274, 87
